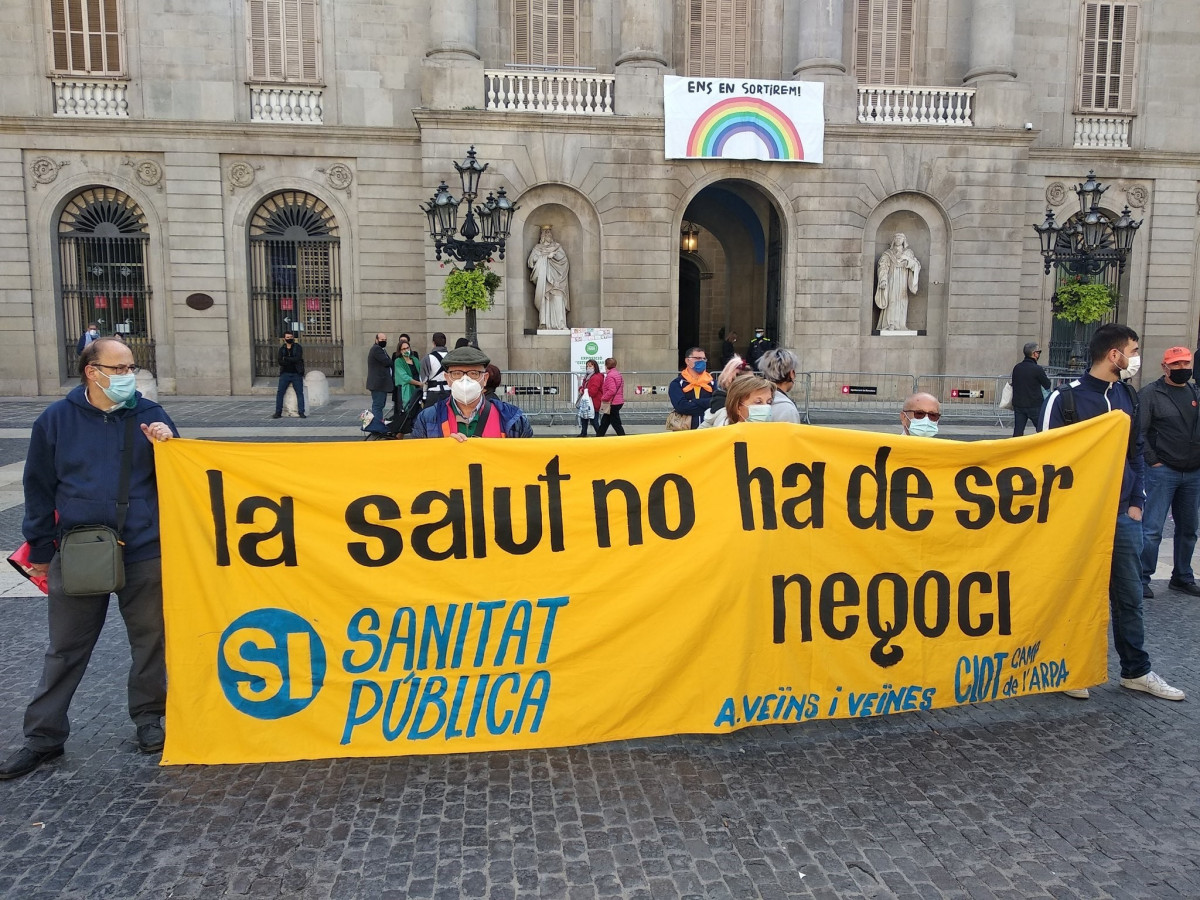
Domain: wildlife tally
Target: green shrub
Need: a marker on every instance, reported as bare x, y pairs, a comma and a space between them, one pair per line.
1082, 301
469, 289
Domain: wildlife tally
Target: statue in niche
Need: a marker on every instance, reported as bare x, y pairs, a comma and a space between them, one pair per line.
548, 268
899, 271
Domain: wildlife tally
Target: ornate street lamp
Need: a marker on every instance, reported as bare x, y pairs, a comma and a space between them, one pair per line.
1088, 253
689, 237
488, 221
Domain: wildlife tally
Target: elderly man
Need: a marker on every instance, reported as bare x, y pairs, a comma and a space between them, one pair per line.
72, 475
379, 376
920, 414
467, 412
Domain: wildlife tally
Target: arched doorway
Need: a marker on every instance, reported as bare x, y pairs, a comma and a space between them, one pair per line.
102, 243
295, 282
734, 248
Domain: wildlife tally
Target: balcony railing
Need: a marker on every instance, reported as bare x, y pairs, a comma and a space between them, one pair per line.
90, 97
285, 103
1102, 132
551, 92
910, 105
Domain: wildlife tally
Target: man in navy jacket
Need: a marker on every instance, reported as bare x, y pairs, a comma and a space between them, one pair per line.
72, 470
1114, 354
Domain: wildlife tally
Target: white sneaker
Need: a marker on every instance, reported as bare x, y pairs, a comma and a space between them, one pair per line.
1078, 693
1151, 683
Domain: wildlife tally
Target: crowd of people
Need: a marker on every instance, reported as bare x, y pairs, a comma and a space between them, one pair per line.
80, 443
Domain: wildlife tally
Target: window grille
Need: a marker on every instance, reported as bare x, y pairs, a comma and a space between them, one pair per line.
295, 282
102, 276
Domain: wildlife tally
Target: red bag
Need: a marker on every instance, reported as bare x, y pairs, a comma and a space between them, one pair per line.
20, 561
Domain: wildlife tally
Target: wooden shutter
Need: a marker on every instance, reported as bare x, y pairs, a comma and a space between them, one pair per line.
544, 32
568, 25
86, 37
718, 38
884, 35
1107, 56
283, 40
520, 32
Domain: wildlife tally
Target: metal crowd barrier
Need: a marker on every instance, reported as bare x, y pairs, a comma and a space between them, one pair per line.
553, 394
967, 396
851, 392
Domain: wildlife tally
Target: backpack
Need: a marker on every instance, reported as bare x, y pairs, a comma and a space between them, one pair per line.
1066, 400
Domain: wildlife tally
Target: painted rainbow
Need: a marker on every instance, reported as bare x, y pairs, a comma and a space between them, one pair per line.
744, 115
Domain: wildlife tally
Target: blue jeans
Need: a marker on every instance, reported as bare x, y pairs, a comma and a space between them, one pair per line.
378, 401
1179, 492
296, 380
1023, 415
1125, 598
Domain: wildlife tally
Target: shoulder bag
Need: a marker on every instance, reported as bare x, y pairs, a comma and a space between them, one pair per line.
90, 555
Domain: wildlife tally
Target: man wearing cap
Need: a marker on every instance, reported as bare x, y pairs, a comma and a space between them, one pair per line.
466, 412
1030, 384
1169, 424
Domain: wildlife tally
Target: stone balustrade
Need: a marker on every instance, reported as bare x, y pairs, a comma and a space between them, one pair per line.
297, 104
92, 97
1102, 132
911, 105
549, 91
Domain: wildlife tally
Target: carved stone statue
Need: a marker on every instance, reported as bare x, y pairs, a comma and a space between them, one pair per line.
899, 271
548, 268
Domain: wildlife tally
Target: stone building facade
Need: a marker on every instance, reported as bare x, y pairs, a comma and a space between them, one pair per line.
199, 181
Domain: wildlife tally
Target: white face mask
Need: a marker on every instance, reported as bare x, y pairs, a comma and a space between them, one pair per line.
925, 427
1135, 364
466, 391
759, 413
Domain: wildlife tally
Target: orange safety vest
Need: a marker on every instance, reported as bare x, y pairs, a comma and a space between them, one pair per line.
491, 426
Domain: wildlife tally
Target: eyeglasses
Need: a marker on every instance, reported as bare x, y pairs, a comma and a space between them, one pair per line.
921, 414
698, 357
471, 373
120, 370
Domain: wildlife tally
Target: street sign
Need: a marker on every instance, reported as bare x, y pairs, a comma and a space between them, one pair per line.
962, 394
859, 389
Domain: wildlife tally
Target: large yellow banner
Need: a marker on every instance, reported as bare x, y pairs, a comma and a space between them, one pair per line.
373, 599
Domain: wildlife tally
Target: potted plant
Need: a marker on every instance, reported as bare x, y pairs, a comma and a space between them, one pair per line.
1082, 302
470, 290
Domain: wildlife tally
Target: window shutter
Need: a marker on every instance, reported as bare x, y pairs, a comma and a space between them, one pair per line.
569, 23
520, 32
884, 35
283, 40
310, 43
86, 37
718, 38
537, 32
695, 54
1107, 56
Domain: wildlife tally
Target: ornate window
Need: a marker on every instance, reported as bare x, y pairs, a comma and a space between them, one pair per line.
86, 37
718, 38
1107, 56
102, 242
295, 281
545, 32
884, 33
283, 41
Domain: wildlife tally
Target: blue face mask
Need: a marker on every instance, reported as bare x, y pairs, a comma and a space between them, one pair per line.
121, 388
699, 366
923, 427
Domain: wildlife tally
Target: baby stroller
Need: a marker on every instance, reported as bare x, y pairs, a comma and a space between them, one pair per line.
399, 425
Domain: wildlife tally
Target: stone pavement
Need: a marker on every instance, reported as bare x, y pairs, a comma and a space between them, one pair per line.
1045, 797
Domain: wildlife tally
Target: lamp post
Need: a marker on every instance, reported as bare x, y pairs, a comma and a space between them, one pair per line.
1086, 247
489, 221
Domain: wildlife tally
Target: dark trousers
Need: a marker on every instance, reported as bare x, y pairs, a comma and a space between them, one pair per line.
584, 423
1125, 598
75, 625
612, 418
296, 380
1021, 415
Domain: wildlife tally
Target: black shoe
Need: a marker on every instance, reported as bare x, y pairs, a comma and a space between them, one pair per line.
1147, 593
151, 737
277, 416
303, 416
1184, 587
25, 761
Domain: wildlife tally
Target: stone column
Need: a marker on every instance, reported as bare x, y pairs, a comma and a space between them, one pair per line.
642, 62
452, 72
822, 56
1000, 100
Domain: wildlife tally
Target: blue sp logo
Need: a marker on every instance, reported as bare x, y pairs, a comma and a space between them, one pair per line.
271, 663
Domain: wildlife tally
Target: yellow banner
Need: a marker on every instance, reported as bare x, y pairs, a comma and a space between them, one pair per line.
386, 598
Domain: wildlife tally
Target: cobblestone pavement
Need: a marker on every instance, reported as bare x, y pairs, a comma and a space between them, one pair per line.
1044, 797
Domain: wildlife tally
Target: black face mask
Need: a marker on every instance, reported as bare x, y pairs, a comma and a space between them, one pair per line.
1179, 376
288, 340
382, 343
